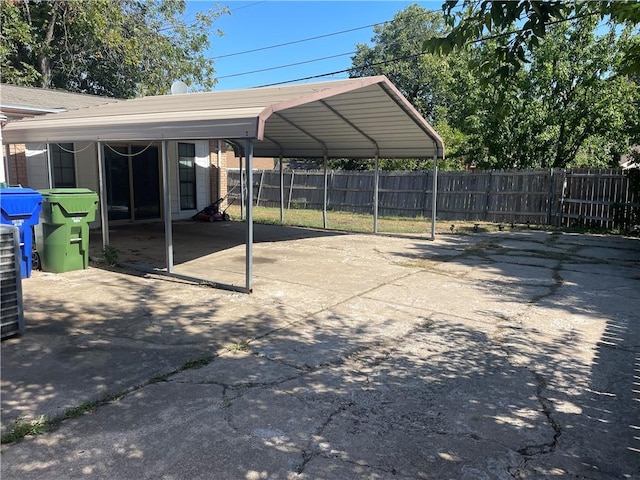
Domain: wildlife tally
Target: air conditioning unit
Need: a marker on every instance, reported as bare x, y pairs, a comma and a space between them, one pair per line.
11, 311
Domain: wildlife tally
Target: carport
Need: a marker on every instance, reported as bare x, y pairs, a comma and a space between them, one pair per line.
354, 118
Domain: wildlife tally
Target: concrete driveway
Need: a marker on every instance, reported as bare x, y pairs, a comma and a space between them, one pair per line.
489, 356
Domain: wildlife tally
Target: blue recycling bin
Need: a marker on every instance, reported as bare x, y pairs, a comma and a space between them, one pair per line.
21, 207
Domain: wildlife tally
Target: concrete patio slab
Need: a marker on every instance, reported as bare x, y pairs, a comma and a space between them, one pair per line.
356, 357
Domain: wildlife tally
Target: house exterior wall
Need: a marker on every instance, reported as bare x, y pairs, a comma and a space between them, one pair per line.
36, 163
28, 167
86, 160
259, 163
217, 172
202, 178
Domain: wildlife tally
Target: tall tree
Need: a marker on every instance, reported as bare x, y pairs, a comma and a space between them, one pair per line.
119, 48
425, 79
567, 106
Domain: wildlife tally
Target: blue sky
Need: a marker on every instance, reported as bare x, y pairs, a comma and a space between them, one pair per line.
256, 24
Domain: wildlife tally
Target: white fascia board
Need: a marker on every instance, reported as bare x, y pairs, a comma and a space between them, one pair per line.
17, 109
48, 131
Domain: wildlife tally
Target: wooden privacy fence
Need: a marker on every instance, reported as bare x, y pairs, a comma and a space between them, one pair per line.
607, 198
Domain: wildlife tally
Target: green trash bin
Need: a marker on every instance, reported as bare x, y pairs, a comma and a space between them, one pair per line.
62, 239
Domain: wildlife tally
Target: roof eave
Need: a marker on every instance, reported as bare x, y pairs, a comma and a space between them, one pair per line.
240, 128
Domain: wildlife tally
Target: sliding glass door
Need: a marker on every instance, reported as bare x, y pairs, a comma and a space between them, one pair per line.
132, 182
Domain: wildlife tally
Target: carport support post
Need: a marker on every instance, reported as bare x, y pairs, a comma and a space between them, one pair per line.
434, 193
281, 191
324, 197
241, 188
249, 253
376, 181
104, 216
168, 234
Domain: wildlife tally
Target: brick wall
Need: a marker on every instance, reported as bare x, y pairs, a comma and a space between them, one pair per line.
17, 174
218, 176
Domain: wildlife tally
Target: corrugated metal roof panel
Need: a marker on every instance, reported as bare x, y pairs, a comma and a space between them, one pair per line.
343, 118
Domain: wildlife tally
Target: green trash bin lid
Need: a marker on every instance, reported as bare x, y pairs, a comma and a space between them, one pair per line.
73, 200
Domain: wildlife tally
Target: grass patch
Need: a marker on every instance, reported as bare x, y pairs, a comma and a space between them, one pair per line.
358, 222
188, 365
21, 429
363, 223
242, 346
89, 407
196, 363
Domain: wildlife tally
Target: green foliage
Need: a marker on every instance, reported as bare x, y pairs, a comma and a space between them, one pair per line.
569, 106
567, 102
522, 24
424, 79
110, 254
20, 429
118, 48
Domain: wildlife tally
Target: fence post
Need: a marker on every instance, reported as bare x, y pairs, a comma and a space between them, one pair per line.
550, 197
260, 187
325, 193
331, 180
486, 204
290, 190
426, 193
562, 197
242, 182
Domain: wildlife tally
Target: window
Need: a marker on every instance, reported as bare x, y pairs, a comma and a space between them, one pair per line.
63, 165
187, 174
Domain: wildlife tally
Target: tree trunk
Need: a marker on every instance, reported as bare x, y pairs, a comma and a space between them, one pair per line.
44, 58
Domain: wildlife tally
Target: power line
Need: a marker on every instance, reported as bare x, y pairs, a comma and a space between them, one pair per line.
408, 57
247, 6
302, 40
293, 42
285, 66
383, 62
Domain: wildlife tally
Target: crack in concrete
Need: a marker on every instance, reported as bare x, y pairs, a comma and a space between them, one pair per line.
547, 410
309, 452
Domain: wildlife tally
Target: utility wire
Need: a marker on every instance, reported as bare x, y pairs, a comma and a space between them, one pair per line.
297, 41
408, 57
375, 64
247, 6
285, 66
302, 40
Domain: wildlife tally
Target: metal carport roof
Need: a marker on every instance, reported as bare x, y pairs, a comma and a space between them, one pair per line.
355, 118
